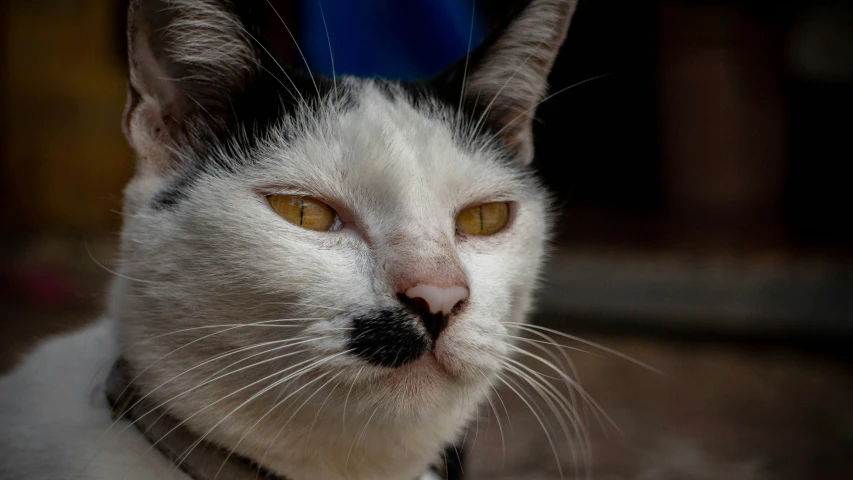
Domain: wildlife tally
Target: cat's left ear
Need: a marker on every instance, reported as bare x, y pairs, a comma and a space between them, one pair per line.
507, 75
188, 59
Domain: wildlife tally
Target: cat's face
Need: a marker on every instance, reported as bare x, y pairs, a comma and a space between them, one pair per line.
397, 175
390, 298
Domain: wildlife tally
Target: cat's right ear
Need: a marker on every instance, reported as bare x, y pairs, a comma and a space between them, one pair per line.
187, 59
503, 80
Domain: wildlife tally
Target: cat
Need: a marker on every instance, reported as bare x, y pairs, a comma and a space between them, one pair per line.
318, 277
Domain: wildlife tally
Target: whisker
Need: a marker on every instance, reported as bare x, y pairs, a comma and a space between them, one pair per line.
346, 400
243, 29
554, 399
569, 386
276, 383
296, 44
212, 359
550, 342
467, 58
305, 305
276, 405
261, 461
574, 374
522, 65
331, 53
108, 270
529, 327
559, 407
232, 327
358, 438
549, 97
317, 416
506, 411
500, 429
211, 380
184, 330
541, 423
574, 384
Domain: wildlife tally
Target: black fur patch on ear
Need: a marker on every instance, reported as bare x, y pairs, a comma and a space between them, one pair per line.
389, 338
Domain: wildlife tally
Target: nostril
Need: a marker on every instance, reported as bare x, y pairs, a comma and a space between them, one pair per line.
417, 304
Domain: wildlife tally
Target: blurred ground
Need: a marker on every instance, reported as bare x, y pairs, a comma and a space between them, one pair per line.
723, 410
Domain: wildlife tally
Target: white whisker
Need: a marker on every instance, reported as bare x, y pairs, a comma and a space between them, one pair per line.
467, 58
554, 399
275, 405
500, 429
331, 53
540, 102
541, 423
521, 66
314, 422
574, 384
232, 327
358, 438
296, 44
276, 383
261, 461
529, 327
241, 369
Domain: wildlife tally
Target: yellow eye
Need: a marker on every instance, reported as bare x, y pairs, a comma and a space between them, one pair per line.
305, 212
485, 219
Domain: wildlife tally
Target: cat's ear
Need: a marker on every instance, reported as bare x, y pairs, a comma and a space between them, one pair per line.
507, 76
187, 59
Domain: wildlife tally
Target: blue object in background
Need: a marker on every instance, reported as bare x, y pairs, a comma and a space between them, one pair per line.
399, 39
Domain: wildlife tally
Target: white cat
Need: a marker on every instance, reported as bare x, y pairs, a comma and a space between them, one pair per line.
318, 275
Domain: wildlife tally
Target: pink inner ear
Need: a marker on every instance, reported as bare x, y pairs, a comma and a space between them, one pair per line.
149, 78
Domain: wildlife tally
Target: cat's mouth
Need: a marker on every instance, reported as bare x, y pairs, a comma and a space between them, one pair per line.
430, 364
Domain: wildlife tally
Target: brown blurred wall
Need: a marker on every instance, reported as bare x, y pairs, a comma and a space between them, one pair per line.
723, 120
64, 157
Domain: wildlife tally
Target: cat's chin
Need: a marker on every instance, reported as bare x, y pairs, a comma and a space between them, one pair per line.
430, 364
443, 364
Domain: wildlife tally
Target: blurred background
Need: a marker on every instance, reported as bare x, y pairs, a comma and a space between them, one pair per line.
698, 154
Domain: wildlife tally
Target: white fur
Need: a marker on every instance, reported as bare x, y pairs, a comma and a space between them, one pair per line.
54, 416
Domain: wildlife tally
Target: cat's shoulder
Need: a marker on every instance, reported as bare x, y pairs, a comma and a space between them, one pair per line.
54, 418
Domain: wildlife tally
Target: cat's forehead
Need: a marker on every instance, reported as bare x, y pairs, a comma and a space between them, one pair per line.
387, 144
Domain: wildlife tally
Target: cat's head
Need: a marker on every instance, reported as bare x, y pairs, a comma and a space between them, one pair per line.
380, 233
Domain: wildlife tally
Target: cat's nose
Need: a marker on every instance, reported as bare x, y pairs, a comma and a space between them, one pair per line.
437, 300
436, 305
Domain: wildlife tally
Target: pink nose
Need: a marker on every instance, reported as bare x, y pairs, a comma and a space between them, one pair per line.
437, 300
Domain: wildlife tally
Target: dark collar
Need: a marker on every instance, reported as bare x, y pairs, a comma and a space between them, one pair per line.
173, 440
